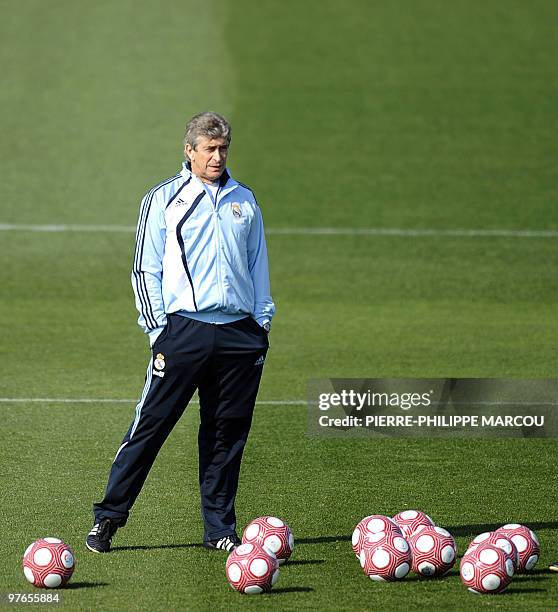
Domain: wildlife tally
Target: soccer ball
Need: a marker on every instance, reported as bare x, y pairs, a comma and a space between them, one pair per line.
271, 533
526, 542
486, 569
412, 520
434, 551
370, 525
385, 556
497, 539
48, 563
252, 569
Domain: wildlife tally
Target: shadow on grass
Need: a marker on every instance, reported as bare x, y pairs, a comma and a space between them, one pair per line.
521, 591
535, 572
474, 530
520, 579
323, 539
535, 575
305, 561
85, 585
411, 577
455, 530
290, 590
167, 546
157, 547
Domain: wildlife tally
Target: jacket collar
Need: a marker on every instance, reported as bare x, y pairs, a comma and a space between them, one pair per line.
225, 182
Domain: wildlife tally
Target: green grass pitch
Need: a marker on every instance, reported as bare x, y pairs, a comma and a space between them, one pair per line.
415, 115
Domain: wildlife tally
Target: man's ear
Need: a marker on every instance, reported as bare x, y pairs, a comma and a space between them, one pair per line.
188, 150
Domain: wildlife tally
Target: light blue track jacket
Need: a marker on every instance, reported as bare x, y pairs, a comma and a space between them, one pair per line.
198, 258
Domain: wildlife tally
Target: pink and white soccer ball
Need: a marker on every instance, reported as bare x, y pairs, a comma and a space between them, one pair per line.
497, 539
375, 523
48, 563
272, 533
486, 569
412, 520
434, 551
385, 556
252, 569
526, 542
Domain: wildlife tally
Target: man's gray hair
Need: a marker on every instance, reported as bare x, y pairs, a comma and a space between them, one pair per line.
209, 124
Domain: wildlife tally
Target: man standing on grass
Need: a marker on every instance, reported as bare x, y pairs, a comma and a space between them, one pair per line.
201, 282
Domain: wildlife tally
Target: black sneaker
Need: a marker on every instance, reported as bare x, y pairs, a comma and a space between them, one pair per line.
553, 567
100, 536
227, 543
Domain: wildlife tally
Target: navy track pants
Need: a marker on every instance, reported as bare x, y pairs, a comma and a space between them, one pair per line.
224, 363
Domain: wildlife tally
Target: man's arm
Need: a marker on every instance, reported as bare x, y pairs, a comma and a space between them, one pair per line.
264, 308
147, 270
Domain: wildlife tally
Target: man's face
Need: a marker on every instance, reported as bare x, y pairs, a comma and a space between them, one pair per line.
209, 158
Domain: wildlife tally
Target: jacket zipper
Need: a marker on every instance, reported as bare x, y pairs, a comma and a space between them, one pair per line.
218, 248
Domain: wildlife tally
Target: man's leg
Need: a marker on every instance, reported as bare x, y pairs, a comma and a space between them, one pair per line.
227, 398
156, 415
178, 360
